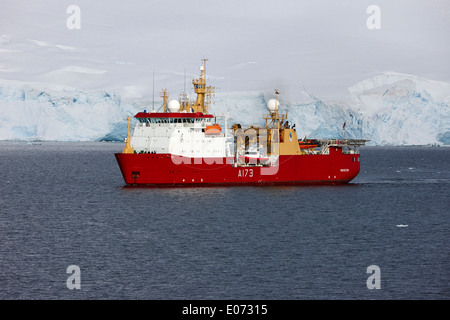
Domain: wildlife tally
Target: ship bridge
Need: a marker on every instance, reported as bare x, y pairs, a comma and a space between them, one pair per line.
172, 117
178, 133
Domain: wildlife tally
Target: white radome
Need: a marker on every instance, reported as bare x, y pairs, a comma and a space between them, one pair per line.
272, 105
174, 106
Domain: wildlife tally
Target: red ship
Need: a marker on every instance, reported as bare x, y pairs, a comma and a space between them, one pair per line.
185, 146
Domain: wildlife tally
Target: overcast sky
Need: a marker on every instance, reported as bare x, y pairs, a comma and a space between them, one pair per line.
324, 46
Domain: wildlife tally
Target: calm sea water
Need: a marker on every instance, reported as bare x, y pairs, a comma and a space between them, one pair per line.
65, 204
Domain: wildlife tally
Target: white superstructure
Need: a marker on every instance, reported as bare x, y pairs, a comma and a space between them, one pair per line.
183, 134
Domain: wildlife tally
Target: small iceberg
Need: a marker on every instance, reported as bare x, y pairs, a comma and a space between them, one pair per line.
33, 143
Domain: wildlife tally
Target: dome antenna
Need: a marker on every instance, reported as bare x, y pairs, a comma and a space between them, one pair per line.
274, 119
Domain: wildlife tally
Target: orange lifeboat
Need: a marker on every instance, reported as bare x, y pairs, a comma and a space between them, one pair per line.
213, 130
307, 144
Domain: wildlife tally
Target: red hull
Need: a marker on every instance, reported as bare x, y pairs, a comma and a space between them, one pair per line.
166, 170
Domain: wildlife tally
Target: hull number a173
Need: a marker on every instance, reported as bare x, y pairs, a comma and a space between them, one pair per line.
242, 173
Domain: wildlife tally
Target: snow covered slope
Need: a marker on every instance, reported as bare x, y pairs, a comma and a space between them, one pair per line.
401, 109
389, 109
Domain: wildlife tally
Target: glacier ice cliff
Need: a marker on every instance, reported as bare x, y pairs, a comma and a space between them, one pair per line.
389, 109
61, 114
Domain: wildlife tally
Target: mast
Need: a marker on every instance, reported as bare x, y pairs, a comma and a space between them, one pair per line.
165, 95
274, 119
203, 92
153, 90
274, 127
